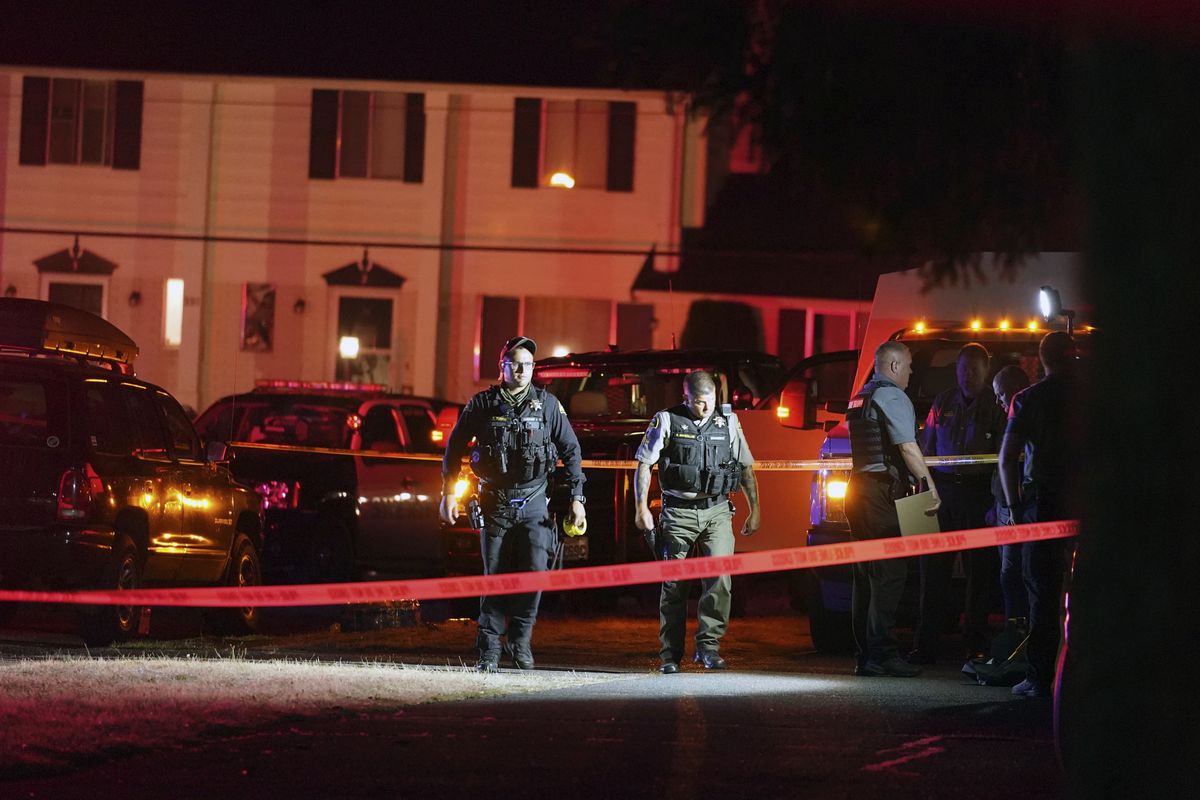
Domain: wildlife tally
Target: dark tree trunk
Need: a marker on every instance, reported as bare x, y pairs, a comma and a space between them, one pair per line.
1129, 700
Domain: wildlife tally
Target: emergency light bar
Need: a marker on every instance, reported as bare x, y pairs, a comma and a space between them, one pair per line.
321, 386
562, 372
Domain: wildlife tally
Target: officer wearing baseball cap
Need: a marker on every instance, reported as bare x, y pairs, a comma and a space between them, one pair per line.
520, 432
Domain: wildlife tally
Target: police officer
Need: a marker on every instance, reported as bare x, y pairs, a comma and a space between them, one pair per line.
702, 456
964, 420
1038, 425
1005, 385
519, 432
886, 460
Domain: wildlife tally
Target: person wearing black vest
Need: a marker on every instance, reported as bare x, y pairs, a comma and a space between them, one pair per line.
702, 456
519, 431
963, 420
1039, 419
886, 461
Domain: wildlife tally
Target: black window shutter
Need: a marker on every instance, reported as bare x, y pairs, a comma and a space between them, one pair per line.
622, 130
127, 136
497, 324
35, 119
527, 145
322, 142
414, 138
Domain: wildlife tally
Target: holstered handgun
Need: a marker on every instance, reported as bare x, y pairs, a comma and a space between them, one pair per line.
651, 537
475, 514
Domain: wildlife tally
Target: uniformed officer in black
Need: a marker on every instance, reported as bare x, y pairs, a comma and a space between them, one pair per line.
964, 420
886, 461
1038, 425
516, 433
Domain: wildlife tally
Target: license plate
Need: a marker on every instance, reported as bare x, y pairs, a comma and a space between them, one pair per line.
575, 548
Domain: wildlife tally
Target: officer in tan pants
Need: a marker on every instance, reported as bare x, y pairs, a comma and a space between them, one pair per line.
702, 456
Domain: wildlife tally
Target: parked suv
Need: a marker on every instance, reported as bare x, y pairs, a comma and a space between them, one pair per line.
333, 511
611, 396
103, 480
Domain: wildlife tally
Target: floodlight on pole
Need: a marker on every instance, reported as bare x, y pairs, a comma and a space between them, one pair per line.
1050, 306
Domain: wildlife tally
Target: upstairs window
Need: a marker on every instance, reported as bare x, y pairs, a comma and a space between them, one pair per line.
76, 121
585, 144
367, 135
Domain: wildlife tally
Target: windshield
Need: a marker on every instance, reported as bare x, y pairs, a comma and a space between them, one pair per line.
934, 361
639, 392
306, 424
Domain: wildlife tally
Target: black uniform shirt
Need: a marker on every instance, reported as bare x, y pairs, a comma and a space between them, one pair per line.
477, 415
957, 426
1039, 414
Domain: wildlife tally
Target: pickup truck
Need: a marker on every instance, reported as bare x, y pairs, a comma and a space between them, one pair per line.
337, 507
610, 397
934, 323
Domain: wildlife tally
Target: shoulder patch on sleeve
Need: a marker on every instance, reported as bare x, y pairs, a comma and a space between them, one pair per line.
654, 421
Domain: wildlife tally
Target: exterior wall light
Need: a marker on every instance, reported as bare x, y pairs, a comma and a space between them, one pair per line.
562, 180
348, 347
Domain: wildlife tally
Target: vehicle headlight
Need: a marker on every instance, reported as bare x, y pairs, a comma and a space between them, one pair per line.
833, 497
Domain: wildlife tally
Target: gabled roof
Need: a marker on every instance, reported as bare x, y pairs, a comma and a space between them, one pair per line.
834, 275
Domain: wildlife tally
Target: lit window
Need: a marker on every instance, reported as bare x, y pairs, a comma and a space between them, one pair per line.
173, 313
591, 142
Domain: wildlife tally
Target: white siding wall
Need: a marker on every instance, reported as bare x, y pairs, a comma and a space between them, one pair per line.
228, 157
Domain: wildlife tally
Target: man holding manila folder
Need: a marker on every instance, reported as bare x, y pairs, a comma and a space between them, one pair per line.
887, 464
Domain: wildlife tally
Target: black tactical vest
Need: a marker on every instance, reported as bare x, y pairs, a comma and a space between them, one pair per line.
870, 443
515, 448
697, 459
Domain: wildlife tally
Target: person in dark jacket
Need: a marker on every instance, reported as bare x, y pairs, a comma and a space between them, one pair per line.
1005, 385
963, 420
1038, 421
519, 431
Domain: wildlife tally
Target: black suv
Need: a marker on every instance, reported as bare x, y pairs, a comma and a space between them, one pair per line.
103, 480
334, 511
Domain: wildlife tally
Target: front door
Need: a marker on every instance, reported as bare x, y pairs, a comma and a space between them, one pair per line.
365, 335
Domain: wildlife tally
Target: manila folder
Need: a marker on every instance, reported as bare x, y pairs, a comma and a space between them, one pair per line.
913, 519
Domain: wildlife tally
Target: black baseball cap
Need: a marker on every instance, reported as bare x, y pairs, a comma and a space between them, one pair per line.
515, 342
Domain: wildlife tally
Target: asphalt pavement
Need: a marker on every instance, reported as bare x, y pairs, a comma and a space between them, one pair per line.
778, 726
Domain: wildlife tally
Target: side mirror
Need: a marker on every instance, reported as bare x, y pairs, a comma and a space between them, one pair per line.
217, 452
796, 407
447, 418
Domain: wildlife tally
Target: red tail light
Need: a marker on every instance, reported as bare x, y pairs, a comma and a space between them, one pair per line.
78, 490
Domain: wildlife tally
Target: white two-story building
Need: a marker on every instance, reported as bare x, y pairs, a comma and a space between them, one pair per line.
242, 228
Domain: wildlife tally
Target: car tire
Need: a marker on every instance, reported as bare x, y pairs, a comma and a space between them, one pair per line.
100, 626
830, 630
245, 569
